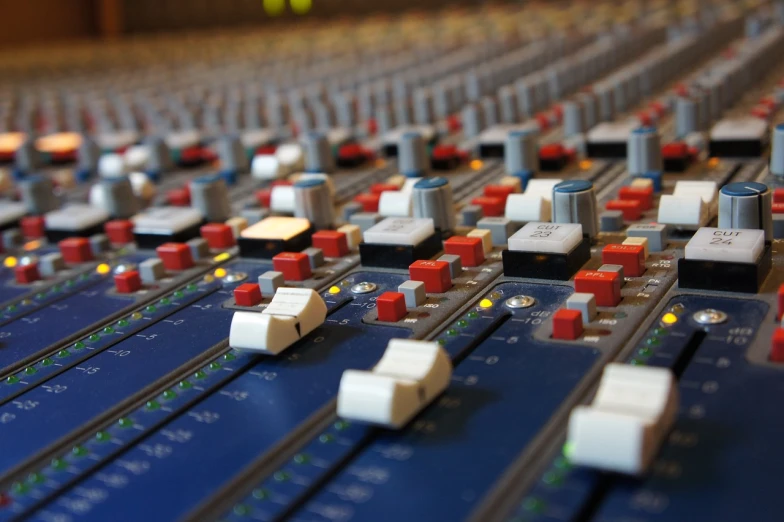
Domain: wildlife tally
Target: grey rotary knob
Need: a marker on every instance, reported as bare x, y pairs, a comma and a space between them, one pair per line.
521, 152
777, 150
644, 151
746, 205
210, 196
37, 194
432, 198
574, 201
118, 198
686, 116
412, 155
313, 201
318, 154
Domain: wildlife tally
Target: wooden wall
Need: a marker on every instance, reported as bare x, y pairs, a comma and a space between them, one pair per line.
24, 22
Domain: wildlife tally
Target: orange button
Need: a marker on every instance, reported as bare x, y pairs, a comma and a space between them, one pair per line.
492, 206
469, 249
369, 202
332, 242
127, 282
218, 235
76, 250
175, 256
434, 274
643, 195
499, 191
605, 286
119, 231
294, 266
632, 210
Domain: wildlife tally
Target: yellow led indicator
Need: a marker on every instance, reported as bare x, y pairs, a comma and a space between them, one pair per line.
274, 7
32, 245
220, 273
103, 269
334, 290
208, 278
221, 257
713, 162
669, 318
485, 303
585, 164
10, 262
301, 6
380, 163
476, 164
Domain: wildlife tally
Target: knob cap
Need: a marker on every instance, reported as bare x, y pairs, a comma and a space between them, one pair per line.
573, 118
232, 155
210, 196
644, 151
432, 198
318, 155
412, 155
117, 197
746, 205
313, 201
471, 119
777, 150
574, 201
37, 194
686, 116
521, 152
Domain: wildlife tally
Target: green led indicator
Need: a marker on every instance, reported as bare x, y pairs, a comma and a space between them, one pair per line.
59, 464
462, 323
552, 478
11, 308
637, 362
79, 451
302, 458
152, 405
214, 366
451, 331
30, 370
200, 375
185, 385
326, 438
229, 356
568, 449
178, 293
562, 462
40, 295
122, 323
644, 352
35, 477
12, 379
661, 331
20, 488
69, 283
281, 476
47, 362
165, 301
442, 342
79, 345
472, 315
84, 277
191, 287
108, 330
102, 436
94, 337
260, 494
534, 504
56, 288
341, 425
63, 353
241, 510
125, 422
169, 395
652, 341
151, 308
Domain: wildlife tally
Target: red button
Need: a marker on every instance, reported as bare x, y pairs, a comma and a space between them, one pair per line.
630, 257
33, 227
553, 151
780, 310
491, 206
26, 274
470, 249
180, 197
350, 152
119, 231
369, 202
777, 346
778, 208
632, 210
435, 275
378, 188
391, 307
128, 282
499, 191
264, 197
247, 294
175, 256
675, 151
605, 286
643, 195
218, 235
778, 195
294, 266
567, 324
76, 250
332, 242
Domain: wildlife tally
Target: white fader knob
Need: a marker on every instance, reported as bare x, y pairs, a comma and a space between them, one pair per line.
292, 314
409, 376
631, 414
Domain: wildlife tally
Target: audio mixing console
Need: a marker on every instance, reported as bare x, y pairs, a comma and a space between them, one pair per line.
512, 264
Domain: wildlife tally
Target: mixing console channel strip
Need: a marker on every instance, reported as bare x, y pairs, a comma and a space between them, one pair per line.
516, 263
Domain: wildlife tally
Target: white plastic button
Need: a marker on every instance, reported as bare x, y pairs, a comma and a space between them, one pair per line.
726, 244
551, 238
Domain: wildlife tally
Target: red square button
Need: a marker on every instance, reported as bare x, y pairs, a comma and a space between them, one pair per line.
777, 346
567, 324
632, 210
26, 274
119, 231
264, 197
435, 275
76, 250
492, 206
643, 195
778, 195
469, 249
127, 282
180, 197
391, 307
218, 235
780, 310
378, 188
294, 266
247, 294
33, 227
631, 257
332, 242
605, 286
499, 191
369, 202
175, 256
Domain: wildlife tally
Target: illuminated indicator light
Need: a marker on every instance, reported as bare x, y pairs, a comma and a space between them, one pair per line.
125, 422
644, 352
669, 318
63, 353
40, 295
221, 257
169, 395
59, 464
178, 293
136, 316
302, 458
10, 262
185, 385
341, 425
637, 362
108, 330
552, 478
461, 323
150, 308
442, 342
334, 290
209, 278
281, 476
60, 142
476, 164
103, 269
533, 504
585, 164
47, 362
714, 162
661, 331
20, 488
260, 494
10, 141
165, 301
11, 308
274, 7
32, 245
102, 436
122, 322
677, 309
199, 375
191, 287
568, 449
78, 345
301, 6
486, 303
241, 510
152, 405
70, 283
562, 463
215, 366
220, 273
472, 315
35, 478
452, 331
652, 341
30, 370
326, 438
229, 356
12, 379
79, 451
